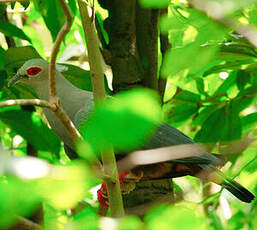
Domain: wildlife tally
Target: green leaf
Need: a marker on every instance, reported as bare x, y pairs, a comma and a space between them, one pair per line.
182, 111
222, 125
31, 128
25, 4
17, 198
16, 56
228, 83
188, 96
125, 121
51, 11
245, 98
11, 30
155, 3
3, 76
183, 57
243, 77
2, 53
215, 220
249, 121
81, 78
78, 77
130, 223
204, 114
172, 218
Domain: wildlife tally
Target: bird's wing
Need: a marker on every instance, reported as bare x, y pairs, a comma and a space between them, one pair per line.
166, 135
84, 113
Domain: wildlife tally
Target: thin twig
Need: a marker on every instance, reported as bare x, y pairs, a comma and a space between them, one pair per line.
97, 78
11, 1
59, 112
64, 30
24, 102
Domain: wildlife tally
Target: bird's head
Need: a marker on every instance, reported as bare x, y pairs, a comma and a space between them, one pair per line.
33, 71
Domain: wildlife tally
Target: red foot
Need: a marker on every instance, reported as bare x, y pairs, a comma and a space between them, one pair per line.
102, 192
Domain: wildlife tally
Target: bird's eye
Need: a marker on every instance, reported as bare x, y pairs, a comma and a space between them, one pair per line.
32, 71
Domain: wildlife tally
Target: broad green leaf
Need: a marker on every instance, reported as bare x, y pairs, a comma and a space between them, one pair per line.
237, 51
51, 11
86, 219
78, 77
168, 217
243, 77
184, 58
3, 77
154, 3
16, 56
204, 114
25, 4
215, 220
81, 78
249, 121
182, 111
17, 198
187, 96
222, 125
131, 223
125, 121
228, 82
245, 98
11, 30
31, 127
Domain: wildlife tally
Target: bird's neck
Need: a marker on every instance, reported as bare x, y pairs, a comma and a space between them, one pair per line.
72, 98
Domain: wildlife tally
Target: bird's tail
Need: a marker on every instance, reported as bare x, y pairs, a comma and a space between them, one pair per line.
237, 190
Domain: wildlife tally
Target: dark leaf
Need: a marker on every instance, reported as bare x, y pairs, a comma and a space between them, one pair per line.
188, 96
222, 125
11, 30
16, 56
2, 53
31, 128
243, 77
182, 111
25, 4
81, 78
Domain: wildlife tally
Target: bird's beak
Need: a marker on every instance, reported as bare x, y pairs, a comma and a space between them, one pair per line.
15, 79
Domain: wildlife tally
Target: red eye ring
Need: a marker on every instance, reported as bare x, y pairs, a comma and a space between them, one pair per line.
32, 71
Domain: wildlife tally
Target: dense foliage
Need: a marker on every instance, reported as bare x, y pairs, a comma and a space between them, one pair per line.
210, 95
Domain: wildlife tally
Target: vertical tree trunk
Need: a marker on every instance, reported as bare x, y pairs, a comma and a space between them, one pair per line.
132, 53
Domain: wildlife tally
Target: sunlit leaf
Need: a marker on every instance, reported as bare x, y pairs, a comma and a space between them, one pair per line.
125, 121
155, 3
249, 121
168, 217
17, 198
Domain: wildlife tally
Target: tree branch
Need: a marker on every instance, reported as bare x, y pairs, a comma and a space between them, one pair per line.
97, 77
11, 1
22, 102
64, 30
